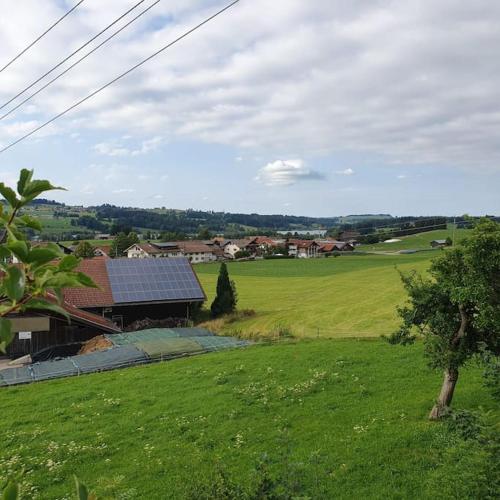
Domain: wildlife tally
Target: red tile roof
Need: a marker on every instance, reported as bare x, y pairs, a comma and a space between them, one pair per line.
85, 316
92, 297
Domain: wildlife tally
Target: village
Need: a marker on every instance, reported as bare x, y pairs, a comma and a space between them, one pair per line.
249, 250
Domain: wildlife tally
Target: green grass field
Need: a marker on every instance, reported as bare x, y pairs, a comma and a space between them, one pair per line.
416, 241
348, 296
335, 419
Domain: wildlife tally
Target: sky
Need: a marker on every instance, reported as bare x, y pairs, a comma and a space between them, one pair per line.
318, 108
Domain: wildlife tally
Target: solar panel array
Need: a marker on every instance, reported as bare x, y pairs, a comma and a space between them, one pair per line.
149, 280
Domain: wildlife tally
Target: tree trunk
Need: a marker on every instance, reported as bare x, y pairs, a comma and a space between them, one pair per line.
446, 394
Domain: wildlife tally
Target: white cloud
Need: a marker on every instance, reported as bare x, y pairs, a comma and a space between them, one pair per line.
148, 146
286, 173
105, 148
347, 171
123, 190
402, 176
373, 77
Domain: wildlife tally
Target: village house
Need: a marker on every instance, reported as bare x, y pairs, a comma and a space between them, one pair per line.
232, 247
195, 251
326, 247
302, 249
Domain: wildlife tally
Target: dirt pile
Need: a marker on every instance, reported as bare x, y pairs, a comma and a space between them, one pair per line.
99, 343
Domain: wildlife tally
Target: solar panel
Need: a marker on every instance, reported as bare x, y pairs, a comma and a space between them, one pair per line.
148, 280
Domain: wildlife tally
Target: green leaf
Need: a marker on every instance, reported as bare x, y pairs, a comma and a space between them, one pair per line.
4, 252
41, 255
19, 248
11, 491
24, 177
86, 281
8, 194
35, 188
42, 304
68, 263
14, 283
28, 221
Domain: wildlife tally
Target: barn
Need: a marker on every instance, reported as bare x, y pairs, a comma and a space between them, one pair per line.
135, 289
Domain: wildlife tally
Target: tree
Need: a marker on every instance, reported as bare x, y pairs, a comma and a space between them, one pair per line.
457, 309
121, 242
204, 233
84, 250
36, 280
226, 297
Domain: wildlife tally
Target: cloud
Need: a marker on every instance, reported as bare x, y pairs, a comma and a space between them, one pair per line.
148, 146
286, 173
347, 171
378, 78
402, 176
123, 190
105, 148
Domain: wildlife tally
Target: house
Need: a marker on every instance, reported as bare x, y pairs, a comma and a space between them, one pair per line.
145, 250
138, 288
195, 251
231, 247
103, 236
439, 243
34, 330
349, 236
302, 249
326, 247
261, 244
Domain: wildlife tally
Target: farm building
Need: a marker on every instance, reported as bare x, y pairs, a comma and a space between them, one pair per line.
439, 243
135, 289
195, 251
335, 246
35, 331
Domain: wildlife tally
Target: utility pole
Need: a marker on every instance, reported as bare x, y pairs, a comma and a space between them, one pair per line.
453, 233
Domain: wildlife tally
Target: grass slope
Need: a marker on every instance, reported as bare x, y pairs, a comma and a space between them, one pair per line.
336, 419
416, 241
347, 296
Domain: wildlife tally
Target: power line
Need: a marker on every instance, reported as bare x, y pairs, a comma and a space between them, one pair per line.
72, 54
41, 36
78, 61
100, 89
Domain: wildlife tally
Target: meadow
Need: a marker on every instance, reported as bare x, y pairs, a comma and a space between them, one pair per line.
308, 419
346, 296
417, 241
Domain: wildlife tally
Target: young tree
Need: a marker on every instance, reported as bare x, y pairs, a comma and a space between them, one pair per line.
84, 250
226, 297
457, 309
121, 242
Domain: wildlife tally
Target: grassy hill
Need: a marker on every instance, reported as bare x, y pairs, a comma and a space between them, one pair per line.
348, 296
316, 419
417, 241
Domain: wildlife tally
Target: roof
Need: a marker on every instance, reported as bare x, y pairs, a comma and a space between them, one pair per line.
302, 243
146, 247
153, 280
263, 240
439, 242
193, 246
242, 243
92, 297
86, 317
132, 281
